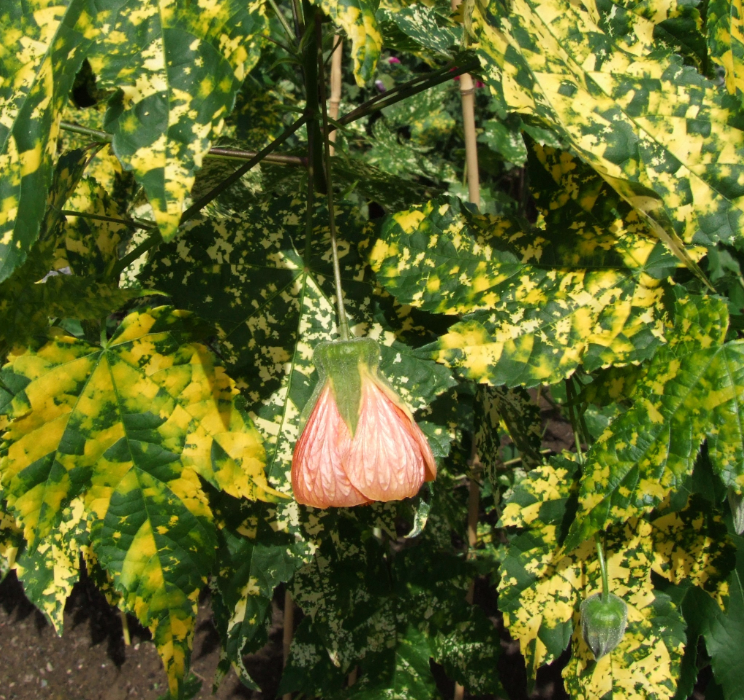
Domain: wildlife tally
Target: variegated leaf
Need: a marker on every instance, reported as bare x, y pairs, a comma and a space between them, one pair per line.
417, 27
176, 70
543, 584
726, 41
42, 46
693, 389
541, 301
661, 134
127, 429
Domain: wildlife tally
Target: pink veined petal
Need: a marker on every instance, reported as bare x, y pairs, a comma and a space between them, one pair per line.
318, 478
385, 460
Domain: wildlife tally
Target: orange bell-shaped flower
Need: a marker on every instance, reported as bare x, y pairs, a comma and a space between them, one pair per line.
360, 443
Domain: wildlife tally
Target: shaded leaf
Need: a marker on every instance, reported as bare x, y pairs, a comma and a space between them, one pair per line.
272, 301
417, 28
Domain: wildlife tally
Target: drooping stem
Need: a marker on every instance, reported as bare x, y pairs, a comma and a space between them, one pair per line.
343, 323
603, 569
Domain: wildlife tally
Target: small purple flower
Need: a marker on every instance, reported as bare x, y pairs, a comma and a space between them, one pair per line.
393, 59
380, 85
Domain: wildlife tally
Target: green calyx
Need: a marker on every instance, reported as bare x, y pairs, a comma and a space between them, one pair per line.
603, 622
342, 363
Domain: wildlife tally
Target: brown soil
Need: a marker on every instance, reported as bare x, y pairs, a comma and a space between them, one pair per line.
91, 662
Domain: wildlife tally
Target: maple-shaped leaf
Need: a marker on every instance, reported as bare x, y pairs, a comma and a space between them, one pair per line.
538, 302
117, 437
270, 294
44, 44
693, 389
543, 584
176, 68
665, 137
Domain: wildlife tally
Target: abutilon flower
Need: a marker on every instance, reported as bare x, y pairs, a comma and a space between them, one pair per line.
360, 443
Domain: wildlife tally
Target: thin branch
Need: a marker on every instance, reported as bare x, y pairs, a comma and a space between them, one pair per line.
343, 323
99, 217
405, 90
215, 152
202, 202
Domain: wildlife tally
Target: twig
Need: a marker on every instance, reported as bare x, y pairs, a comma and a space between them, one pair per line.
283, 21
215, 152
405, 90
99, 217
125, 628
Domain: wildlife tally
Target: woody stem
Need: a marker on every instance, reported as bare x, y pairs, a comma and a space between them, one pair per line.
343, 323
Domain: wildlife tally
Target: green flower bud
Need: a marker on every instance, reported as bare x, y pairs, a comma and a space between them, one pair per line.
603, 622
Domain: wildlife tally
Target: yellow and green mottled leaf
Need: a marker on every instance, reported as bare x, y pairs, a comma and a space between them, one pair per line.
127, 429
726, 41
692, 545
646, 23
90, 246
43, 43
693, 389
176, 69
357, 19
543, 584
417, 28
271, 307
35, 292
538, 302
666, 139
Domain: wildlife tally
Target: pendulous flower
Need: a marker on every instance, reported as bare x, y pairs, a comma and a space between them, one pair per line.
360, 443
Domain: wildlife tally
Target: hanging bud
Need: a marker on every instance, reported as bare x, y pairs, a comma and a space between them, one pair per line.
603, 622
360, 443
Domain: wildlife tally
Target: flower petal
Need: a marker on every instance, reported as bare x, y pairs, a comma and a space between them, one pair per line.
318, 478
389, 458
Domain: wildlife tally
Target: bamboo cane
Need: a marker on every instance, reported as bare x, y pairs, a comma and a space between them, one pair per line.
288, 630
467, 93
335, 100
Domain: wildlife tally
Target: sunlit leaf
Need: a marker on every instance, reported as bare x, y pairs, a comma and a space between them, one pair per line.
125, 431
692, 389
543, 584
542, 301
357, 19
662, 135
176, 70
43, 45
726, 41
